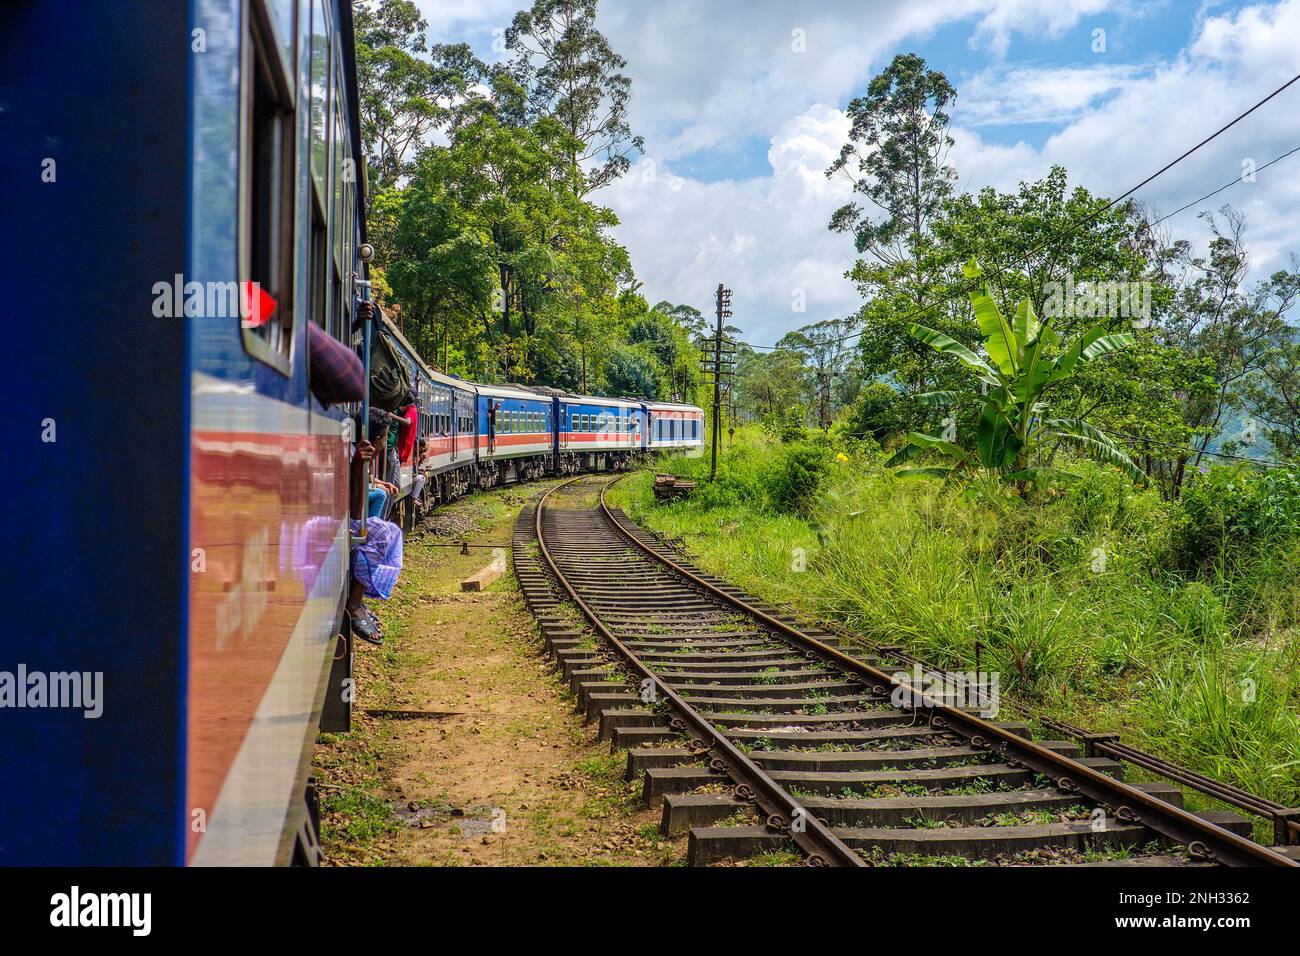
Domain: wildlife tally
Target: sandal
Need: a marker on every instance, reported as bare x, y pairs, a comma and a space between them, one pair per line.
365, 627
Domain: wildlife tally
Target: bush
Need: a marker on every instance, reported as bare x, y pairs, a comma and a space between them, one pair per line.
881, 411
1228, 513
796, 475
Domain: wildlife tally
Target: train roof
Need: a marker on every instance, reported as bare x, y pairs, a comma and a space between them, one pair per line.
439, 377
675, 405
511, 391
604, 400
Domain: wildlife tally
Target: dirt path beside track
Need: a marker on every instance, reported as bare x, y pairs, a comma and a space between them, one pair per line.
503, 772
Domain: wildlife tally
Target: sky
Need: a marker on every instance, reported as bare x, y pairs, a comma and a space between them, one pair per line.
742, 106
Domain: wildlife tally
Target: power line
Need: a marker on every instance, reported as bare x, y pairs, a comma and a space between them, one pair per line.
965, 288
1216, 192
1137, 440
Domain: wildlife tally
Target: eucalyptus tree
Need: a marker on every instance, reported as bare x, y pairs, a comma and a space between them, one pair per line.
569, 72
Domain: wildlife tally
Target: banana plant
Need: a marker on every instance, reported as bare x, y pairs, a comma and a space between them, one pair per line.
1024, 361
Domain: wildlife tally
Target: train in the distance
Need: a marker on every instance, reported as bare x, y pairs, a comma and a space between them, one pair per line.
481, 436
179, 538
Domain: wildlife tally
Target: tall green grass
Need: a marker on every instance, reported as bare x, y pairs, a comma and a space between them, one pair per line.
1083, 598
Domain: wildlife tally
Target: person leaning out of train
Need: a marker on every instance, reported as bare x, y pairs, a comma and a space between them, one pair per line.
407, 429
418, 481
377, 558
382, 493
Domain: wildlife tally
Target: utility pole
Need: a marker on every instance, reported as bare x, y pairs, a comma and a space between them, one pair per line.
724, 312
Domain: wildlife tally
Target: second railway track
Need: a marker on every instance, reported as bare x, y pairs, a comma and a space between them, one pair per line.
760, 735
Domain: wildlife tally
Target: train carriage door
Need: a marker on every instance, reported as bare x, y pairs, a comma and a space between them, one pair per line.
454, 424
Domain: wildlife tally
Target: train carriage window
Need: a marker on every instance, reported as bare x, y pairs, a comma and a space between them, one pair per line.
320, 86
349, 231
266, 195
280, 17
318, 278
337, 171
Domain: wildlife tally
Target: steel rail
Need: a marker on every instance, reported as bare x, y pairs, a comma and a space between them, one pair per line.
781, 811
1286, 821
1204, 840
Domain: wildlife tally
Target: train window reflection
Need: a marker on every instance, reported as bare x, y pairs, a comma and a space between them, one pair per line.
266, 199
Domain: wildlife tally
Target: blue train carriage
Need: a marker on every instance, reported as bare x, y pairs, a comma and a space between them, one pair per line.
234, 131
516, 434
674, 427
597, 434
447, 424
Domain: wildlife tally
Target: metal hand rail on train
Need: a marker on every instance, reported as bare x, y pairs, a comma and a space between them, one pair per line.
781, 811
1203, 839
367, 331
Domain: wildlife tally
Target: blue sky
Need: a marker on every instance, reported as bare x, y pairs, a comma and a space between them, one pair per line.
740, 125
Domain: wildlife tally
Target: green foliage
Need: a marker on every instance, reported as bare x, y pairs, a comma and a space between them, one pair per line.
631, 372
1229, 513
881, 410
797, 475
898, 139
1012, 423
567, 71
490, 254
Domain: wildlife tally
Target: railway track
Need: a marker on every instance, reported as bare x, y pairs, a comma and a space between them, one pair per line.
761, 735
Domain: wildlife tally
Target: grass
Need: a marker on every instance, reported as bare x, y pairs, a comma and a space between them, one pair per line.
1079, 598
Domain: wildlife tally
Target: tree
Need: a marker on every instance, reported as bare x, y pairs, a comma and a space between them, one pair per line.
1012, 421
767, 384
896, 159
404, 96
568, 71
492, 229
631, 372
899, 143
1273, 396
825, 354
1231, 334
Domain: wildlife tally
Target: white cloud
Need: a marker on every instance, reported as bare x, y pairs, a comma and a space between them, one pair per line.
1039, 94
764, 237
704, 81
449, 16
1051, 18
1118, 124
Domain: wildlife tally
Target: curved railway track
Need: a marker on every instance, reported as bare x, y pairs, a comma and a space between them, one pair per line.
760, 734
